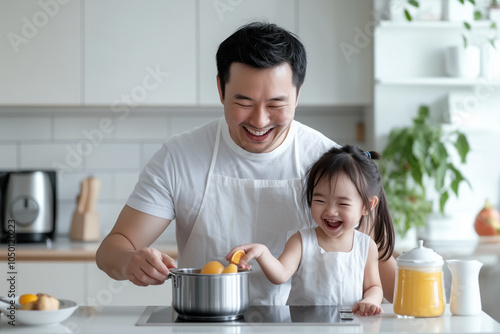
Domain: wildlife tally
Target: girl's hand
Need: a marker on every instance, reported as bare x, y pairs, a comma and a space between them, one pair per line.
252, 251
365, 308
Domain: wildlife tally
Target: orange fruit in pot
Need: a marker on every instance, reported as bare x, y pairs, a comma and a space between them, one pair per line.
237, 256
212, 267
27, 298
230, 269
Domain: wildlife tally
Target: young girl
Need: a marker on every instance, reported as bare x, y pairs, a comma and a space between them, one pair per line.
334, 263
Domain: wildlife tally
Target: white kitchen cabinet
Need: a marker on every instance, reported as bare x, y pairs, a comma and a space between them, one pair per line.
140, 52
65, 280
105, 291
338, 36
219, 19
40, 52
83, 283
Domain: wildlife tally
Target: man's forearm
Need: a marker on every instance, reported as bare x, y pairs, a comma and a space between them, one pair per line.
113, 255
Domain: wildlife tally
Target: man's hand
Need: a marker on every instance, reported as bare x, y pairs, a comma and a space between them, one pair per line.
148, 266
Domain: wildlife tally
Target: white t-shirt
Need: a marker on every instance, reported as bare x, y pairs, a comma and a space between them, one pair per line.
172, 183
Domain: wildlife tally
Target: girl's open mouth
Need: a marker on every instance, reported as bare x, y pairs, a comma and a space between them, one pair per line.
333, 224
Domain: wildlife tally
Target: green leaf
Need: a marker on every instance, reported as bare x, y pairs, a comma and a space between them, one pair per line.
492, 42
417, 175
439, 176
414, 3
471, 1
465, 41
477, 15
442, 201
462, 1
493, 25
459, 178
423, 114
467, 25
462, 146
419, 150
456, 182
439, 152
407, 14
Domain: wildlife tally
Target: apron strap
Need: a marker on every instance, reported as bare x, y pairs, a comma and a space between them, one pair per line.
214, 158
296, 149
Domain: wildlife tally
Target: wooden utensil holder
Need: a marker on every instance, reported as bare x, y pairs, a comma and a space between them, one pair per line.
85, 226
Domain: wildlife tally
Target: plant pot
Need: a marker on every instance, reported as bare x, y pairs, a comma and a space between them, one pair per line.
490, 61
463, 62
428, 10
494, 13
454, 10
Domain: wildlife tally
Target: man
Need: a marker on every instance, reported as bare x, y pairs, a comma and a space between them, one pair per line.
232, 181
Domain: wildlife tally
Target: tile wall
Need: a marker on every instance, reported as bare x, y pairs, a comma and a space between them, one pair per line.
80, 144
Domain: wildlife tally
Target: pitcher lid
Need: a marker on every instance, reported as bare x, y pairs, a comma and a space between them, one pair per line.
420, 256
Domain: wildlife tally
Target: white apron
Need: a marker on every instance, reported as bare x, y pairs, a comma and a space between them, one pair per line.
239, 211
329, 278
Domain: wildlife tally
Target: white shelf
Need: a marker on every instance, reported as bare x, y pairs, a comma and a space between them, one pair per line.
436, 81
433, 24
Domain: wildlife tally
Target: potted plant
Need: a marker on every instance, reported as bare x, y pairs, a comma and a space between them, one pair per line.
494, 11
414, 158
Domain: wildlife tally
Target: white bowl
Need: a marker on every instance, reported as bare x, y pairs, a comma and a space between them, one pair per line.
36, 317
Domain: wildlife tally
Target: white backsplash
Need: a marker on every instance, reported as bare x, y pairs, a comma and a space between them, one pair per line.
115, 150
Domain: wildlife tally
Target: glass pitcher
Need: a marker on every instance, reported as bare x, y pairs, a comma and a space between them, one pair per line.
419, 286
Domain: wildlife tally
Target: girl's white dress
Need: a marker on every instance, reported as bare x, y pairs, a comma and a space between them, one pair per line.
329, 278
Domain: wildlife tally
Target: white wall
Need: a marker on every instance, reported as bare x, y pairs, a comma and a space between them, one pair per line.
117, 152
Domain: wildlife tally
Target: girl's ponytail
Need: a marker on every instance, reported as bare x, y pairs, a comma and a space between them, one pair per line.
383, 233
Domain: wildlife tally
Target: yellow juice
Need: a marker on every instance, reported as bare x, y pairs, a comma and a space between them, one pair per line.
419, 293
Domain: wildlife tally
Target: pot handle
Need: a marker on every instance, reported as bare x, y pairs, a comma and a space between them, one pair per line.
175, 281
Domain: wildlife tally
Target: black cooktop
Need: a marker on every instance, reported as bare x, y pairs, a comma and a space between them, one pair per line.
268, 315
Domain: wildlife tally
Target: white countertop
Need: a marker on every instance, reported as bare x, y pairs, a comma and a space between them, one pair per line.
122, 319
65, 249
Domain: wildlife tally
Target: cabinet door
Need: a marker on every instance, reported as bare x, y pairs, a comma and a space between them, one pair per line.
63, 280
338, 36
219, 19
40, 52
140, 52
105, 291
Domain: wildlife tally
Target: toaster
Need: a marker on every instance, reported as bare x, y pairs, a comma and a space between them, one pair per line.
28, 205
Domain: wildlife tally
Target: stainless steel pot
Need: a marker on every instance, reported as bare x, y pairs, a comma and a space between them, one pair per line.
209, 297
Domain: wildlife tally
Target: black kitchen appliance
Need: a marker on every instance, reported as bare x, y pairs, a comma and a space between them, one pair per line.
258, 315
28, 205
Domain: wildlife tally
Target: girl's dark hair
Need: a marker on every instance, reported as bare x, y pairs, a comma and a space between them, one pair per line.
262, 45
360, 168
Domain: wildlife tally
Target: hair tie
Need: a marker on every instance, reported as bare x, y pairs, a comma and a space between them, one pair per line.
368, 154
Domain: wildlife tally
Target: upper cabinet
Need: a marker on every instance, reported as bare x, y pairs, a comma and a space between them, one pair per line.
140, 52
162, 52
340, 52
219, 19
338, 36
40, 52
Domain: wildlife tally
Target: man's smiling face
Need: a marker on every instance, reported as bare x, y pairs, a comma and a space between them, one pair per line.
259, 106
